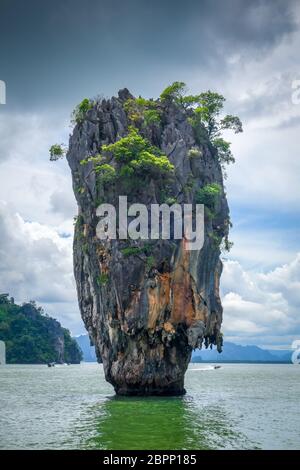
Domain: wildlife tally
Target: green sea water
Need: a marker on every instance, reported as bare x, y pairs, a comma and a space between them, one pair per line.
240, 406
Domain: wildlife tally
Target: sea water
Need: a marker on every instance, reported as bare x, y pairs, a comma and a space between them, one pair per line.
239, 406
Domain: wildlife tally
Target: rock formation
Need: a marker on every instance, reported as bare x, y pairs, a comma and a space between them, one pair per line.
146, 306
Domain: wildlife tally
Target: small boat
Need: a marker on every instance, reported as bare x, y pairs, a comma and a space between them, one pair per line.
51, 364
217, 367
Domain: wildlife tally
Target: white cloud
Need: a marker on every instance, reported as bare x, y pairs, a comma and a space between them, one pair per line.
258, 88
267, 169
258, 248
37, 206
262, 308
36, 263
63, 202
267, 165
38, 189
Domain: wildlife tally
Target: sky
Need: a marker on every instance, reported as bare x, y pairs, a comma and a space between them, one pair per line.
55, 53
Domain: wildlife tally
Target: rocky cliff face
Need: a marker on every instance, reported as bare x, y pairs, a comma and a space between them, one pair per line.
146, 306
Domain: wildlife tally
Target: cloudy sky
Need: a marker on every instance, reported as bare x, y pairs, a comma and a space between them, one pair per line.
55, 53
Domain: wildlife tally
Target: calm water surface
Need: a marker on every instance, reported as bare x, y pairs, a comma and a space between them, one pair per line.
239, 406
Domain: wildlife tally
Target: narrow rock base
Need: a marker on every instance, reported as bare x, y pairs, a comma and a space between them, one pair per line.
176, 389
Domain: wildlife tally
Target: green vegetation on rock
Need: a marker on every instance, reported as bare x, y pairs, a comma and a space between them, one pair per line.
131, 250
224, 151
142, 111
150, 262
57, 151
206, 114
205, 110
79, 113
194, 152
145, 249
174, 93
106, 173
208, 195
131, 161
102, 279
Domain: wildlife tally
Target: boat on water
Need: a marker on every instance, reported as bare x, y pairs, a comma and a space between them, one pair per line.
52, 364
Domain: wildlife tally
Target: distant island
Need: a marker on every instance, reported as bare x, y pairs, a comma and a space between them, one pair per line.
235, 353
232, 353
88, 350
32, 337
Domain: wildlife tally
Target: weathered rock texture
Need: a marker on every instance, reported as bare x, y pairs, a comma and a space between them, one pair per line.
145, 321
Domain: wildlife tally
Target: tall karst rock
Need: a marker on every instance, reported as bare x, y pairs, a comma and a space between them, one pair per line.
146, 304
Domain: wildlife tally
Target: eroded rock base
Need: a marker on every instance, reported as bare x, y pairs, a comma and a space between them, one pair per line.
175, 389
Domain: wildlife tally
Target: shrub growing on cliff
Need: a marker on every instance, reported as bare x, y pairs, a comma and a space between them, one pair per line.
106, 173
206, 114
131, 250
102, 279
137, 157
224, 151
210, 105
150, 164
208, 195
57, 151
194, 152
79, 113
205, 110
127, 148
142, 111
174, 92
226, 244
152, 116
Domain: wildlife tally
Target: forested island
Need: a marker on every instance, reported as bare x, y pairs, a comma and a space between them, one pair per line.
32, 337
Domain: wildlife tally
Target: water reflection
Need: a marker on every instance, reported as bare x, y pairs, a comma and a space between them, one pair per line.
160, 423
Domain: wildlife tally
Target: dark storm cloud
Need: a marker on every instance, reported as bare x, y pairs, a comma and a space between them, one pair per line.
54, 52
